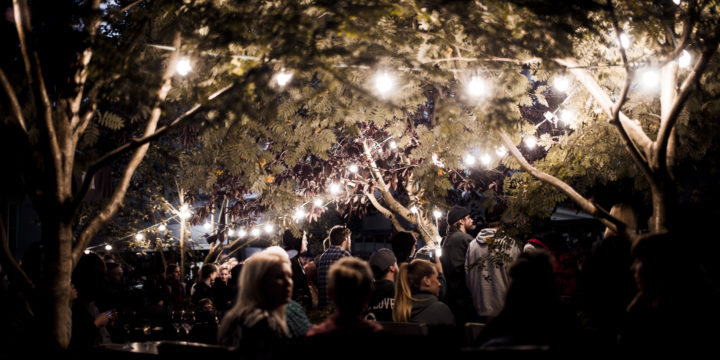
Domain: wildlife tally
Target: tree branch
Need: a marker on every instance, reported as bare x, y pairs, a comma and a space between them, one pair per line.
14, 104
82, 70
393, 204
383, 210
586, 205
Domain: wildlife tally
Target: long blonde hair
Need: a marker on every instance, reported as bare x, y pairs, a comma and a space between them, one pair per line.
409, 279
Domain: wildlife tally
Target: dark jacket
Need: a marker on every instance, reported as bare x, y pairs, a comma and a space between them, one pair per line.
458, 298
382, 301
430, 310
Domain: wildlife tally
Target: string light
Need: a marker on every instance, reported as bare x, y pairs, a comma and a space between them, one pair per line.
414, 210
530, 141
685, 58
566, 116
676, 2
353, 168
255, 232
183, 67
501, 151
268, 228
108, 247
318, 202
334, 188
476, 87
469, 160
299, 214
283, 78
561, 83
242, 233
185, 212
393, 145
87, 251
231, 232
383, 83
649, 79
486, 159
624, 40
437, 214
162, 228
207, 226
549, 115
139, 236
438, 251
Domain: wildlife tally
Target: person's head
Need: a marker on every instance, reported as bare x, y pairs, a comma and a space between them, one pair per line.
403, 245
172, 273
459, 217
208, 273
418, 275
383, 264
532, 281
340, 236
89, 274
224, 273
265, 281
350, 282
625, 213
206, 304
115, 273
656, 255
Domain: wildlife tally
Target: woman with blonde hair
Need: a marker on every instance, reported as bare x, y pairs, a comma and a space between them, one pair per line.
416, 295
256, 323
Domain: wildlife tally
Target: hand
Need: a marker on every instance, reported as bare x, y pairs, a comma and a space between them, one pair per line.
102, 320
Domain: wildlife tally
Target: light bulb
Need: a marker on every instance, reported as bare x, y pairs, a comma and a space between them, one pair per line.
242, 233
437, 214
383, 83
469, 160
566, 116
318, 202
183, 67
501, 151
549, 115
414, 210
624, 40
676, 2
87, 251
185, 212
561, 83
255, 232
268, 228
438, 251
299, 214
231, 232
108, 247
139, 236
334, 188
162, 228
684, 59
393, 144
476, 87
283, 78
207, 226
353, 168
650, 79
486, 159
530, 141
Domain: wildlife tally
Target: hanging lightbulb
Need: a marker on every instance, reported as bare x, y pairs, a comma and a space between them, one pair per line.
183, 67
469, 160
87, 251
268, 228
383, 83
476, 87
139, 236
334, 188
318, 202
242, 233
566, 116
549, 115
485, 159
684, 59
438, 251
162, 228
414, 210
255, 232
437, 214
501, 151
299, 214
108, 247
353, 168
283, 77
393, 144
676, 2
207, 226
650, 79
231, 232
530, 141
561, 83
624, 40
184, 212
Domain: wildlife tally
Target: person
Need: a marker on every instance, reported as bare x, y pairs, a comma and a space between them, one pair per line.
340, 245
173, 290
487, 262
297, 321
382, 298
454, 248
203, 287
89, 321
416, 295
533, 314
301, 288
403, 245
349, 284
221, 290
256, 324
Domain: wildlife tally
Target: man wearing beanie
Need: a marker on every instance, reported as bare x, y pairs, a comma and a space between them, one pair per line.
382, 299
454, 248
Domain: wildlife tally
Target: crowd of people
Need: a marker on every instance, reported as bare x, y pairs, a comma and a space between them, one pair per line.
624, 296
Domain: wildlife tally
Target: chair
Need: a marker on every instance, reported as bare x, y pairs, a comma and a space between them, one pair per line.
404, 328
472, 333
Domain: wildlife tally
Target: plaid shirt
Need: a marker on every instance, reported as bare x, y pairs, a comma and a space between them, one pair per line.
329, 257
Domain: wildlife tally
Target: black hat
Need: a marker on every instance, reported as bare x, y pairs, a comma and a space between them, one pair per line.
457, 213
382, 259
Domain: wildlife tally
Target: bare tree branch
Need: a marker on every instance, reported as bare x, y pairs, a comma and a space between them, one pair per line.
14, 104
82, 70
383, 210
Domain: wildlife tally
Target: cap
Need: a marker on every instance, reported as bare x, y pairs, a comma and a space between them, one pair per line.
457, 213
382, 259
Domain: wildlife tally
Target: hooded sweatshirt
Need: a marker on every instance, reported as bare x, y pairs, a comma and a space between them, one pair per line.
487, 263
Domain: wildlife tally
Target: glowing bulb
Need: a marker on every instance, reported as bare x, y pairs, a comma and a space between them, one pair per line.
207, 226
183, 67
283, 78
108, 247
268, 228
438, 252
299, 214
469, 160
353, 168
530, 141
414, 210
334, 188
486, 159
184, 212
162, 228
318, 202
501, 151
597, 110
231, 232
685, 58
561, 83
87, 251
566, 116
383, 83
549, 115
476, 87
139, 236
650, 79
624, 40
255, 232
393, 145
437, 214
242, 233
676, 2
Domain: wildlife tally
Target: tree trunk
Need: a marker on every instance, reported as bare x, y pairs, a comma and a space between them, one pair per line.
57, 239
